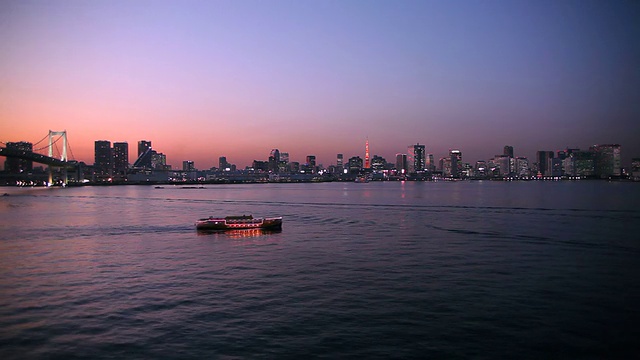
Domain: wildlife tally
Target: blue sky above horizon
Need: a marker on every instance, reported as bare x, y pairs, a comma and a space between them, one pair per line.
203, 79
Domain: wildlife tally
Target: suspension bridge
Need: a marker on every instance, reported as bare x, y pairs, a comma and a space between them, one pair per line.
45, 153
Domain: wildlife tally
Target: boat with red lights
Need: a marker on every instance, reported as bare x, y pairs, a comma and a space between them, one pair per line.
239, 223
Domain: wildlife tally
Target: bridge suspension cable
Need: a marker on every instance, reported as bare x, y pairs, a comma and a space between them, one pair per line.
56, 147
41, 140
71, 151
46, 147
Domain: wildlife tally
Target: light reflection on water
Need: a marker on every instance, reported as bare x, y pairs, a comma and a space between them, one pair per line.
462, 269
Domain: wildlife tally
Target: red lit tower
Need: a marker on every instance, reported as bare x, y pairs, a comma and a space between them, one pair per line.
367, 163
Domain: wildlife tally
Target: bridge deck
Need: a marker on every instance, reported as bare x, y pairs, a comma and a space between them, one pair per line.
39, 158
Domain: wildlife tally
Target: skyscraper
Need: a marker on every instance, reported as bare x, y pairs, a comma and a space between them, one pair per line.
146, 159
635, 169
508, 151
401, 163
542, 158
446, 167
503, 163
310, 165
102, 161
274, 161
188, 165
222, 163
456, 162
607, 160
143, 145
429, 164
355, 164
522, 167
284, 165
415, 158
480, 169
158, 160
311, 160
378, 162
120, 159
584, 163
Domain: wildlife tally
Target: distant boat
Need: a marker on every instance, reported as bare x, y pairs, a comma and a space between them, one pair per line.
362, 179
239, 223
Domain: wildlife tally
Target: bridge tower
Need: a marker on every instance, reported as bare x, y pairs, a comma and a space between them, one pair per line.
64, 143
53, 134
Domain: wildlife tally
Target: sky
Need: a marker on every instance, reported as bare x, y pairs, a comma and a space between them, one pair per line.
204, 79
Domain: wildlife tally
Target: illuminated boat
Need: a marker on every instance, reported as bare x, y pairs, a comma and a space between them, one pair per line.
239, 223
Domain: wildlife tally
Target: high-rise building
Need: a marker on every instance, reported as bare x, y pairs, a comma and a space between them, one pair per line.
275, 153
158, 160
561, 154
481, 169
188, 165
222, 163
542, 158
355, 164
446, 166
103, 165
310, 165
14, 165
522, 167
415, 158
143, 145
635, 169
260, 166
503, 163
274, 161
378, 162
429, 164
146, 157
340, 160
401, 163
311, 160
508, 150
607, 160
120, 160
284, 162
554, 167
456, 162
584, 163
569, 165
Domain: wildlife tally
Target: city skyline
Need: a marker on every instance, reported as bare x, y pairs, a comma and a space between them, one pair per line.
132, 156
237, 79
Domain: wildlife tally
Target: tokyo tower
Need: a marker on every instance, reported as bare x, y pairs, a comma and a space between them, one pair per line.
367, 163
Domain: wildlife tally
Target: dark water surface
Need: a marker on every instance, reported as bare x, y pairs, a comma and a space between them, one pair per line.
522, 270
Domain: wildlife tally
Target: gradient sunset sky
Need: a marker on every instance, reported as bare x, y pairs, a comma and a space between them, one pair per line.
203, 79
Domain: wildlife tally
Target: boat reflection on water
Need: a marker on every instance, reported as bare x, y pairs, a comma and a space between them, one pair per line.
239, 233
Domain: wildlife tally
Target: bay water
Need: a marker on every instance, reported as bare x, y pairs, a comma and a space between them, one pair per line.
454, 270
